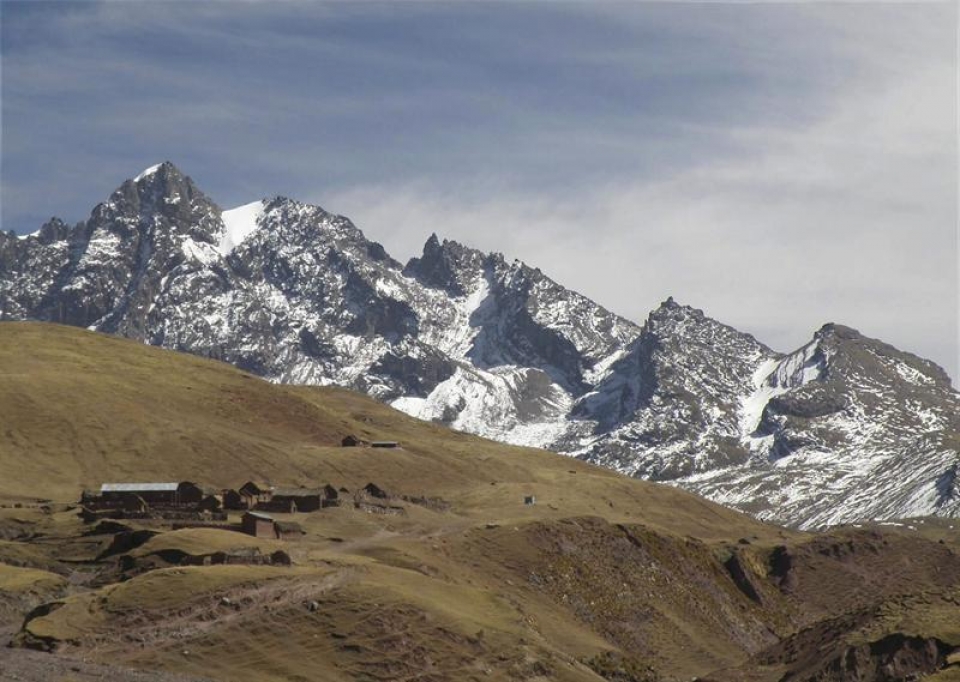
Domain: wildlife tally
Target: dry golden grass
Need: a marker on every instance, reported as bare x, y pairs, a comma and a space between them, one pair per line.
171, 588
623, 574
14, 579
85, 408
197, 541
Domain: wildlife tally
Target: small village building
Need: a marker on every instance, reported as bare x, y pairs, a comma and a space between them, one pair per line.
189, 494
233, 500
153, 495
288, 530
210, 503
330, 496
294, 500
254, 493
375, 491
352, 441
130, 495
258, 525
385, 444
529, 500
375, 500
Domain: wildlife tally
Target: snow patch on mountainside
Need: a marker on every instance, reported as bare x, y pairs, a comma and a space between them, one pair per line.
602, 369
147, 172
238, 224
752, 406
775, 377
512, 404
456, 338
800, 368
199, 251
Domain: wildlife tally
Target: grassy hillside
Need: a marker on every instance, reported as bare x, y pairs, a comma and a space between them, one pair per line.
81, 408
604, 578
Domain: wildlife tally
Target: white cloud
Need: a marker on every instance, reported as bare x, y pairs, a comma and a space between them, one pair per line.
849, 218
778, 164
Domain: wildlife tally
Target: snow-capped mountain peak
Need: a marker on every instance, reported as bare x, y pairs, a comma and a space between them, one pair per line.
448, 266
148, 172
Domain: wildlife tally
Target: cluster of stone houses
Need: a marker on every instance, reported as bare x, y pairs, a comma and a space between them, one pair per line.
187, 500
264, 497
188, 504
186, 497
144, 500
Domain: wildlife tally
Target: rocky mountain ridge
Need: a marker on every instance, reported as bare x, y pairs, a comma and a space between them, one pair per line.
845, 428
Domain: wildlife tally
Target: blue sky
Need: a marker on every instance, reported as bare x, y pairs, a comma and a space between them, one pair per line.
779, 165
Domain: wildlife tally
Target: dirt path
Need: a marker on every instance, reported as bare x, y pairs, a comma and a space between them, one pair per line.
22, 665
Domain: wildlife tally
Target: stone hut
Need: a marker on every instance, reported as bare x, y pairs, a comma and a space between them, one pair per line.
374, 499
287, 530
330, 496
375, 491
255, 492
294, 500
233, 500
258, 525
134, 495
210, 503
189, 494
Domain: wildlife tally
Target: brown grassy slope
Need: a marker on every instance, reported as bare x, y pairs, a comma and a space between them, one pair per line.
867, 604
23, 588
81, 408
407, 598
371, 622
638, 580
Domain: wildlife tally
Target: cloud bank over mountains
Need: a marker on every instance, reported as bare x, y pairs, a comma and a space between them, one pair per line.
778, 165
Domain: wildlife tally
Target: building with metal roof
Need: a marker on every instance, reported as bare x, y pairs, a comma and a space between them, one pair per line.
258, 525
138, 487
